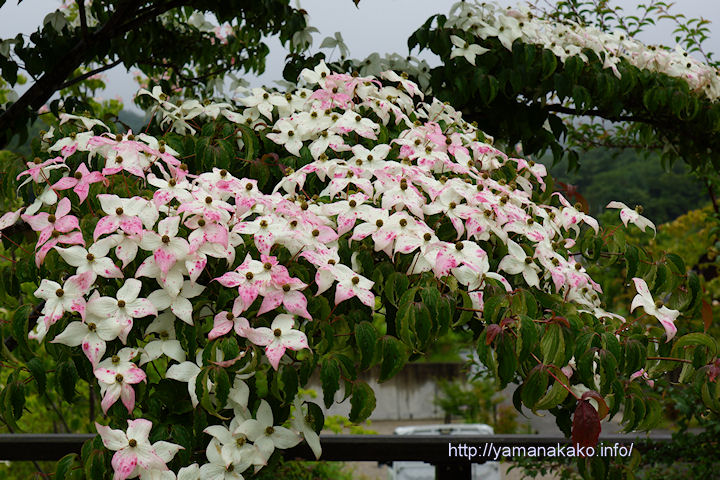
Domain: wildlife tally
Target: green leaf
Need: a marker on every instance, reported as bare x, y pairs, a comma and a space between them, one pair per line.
67, 376
631, 259
534, 386
222, 387
507, 360
362, 402
261, 383
488, 87
394, 358
37, 369
557, 393
20, 325
64, 465
366, 339
290, 382
697, 339
95, 467
695, 296
527, 336
395, 286
552, 345
329, 379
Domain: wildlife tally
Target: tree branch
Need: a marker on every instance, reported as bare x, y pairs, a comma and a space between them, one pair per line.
83, 19
90, 74
554, 107
40, 92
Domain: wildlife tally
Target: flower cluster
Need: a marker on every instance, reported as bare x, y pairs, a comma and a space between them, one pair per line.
566, 39
407, 179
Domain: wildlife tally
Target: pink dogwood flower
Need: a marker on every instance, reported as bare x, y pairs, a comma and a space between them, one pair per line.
133, 452
80, 181
49, 223
116, 375
70, 297
278, 338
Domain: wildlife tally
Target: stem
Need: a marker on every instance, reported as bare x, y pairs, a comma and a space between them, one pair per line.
57, 411
670, 359
711, 193
90, 74
556, 379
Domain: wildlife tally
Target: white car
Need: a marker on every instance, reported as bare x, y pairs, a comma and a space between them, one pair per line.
426, 471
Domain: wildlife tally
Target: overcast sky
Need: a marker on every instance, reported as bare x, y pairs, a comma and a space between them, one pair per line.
381, 26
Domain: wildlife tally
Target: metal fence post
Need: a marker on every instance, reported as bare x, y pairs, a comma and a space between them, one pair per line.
460, 470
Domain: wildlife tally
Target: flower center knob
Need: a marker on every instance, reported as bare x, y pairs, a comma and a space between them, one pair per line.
293, 224
266, 95
355, 280
208, 200
78, 175
223, 173
263, 223
115, 359
286, 288
277, 332
121, 303
530, 221
459, 246
379, 223
164, 334
59, 292
230, 467
118, 159
249, 187
267, 265
452, 205
249, 275
578, 266
165, 239
89, 257
358, 118
51, 218
37, 160
119, 378
269, 430
240, 441
92, 327
201, 222
315, 232
352, 203
427, 237
638, 208
118, 211
132, 442
331, 262
403, 222
528, 260
658, 303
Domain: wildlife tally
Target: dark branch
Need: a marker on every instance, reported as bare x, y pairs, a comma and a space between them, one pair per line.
90, 74
553, 107
83, 19
177, 69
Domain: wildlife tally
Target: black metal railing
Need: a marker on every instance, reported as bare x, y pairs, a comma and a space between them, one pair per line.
442, 451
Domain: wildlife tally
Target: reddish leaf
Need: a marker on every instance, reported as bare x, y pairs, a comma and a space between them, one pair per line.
560, 321
492, 331
714, 369
707, 314
586, 425
602, 406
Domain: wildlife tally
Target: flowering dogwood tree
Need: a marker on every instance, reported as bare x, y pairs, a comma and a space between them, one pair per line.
208, 271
